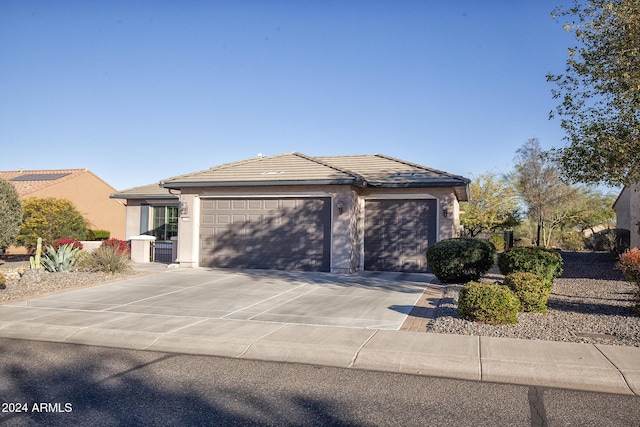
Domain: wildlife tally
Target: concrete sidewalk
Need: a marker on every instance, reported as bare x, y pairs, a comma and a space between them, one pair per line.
603, 368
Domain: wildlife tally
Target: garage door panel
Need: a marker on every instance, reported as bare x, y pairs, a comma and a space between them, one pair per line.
397, 234
267, 233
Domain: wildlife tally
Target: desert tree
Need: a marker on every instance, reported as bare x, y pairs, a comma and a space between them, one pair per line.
599, 93
493, 205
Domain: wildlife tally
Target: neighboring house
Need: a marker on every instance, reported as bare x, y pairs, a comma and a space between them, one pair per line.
294, 212
627, 207
86, 191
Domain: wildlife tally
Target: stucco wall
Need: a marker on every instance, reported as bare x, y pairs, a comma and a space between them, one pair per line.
622, 208
347, 234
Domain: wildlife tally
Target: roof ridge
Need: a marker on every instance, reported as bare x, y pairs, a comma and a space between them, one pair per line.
249, 160
419, 166
347, 171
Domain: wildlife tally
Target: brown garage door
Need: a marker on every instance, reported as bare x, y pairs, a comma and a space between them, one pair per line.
397, 234
282, 234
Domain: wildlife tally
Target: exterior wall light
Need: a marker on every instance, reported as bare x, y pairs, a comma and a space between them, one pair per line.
184, 210
445, 211
340, 205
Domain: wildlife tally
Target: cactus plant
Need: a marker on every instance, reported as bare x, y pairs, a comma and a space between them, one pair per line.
35, 261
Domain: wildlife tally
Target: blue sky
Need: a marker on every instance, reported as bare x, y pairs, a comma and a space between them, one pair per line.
138, 91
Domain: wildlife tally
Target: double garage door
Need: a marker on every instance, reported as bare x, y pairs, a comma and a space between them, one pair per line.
295, 233
397, 234
283, 234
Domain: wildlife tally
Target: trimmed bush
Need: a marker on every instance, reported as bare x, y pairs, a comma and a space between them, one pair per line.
98, 234
532, 291
488, 303
461, 259
545, 263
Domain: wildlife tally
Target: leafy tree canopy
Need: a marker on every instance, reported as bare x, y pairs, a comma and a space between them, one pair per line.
493, 205
50, 219
599, 93
10, 214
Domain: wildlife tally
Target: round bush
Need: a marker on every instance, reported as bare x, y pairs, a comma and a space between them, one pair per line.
461, 259
532, 291
543, 262
488, 303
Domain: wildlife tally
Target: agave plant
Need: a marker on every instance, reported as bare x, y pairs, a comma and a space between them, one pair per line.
62, 259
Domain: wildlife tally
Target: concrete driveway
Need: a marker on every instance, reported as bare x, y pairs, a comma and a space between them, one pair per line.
184, 298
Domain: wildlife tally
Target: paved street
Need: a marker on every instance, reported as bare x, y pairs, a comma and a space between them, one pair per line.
344, 321
86, 385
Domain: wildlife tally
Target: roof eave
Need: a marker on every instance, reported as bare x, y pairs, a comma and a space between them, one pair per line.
185, 184
421, 184
143, 196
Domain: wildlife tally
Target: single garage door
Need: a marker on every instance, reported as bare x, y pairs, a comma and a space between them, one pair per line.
281, 234
397, 234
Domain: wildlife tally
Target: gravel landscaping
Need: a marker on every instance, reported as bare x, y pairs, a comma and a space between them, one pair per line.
590, 303
22, 283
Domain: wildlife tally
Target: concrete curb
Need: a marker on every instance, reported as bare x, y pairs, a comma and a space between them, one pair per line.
601, 368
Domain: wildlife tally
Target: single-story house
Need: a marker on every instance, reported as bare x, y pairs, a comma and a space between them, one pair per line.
627, 207
295, 212
85, 190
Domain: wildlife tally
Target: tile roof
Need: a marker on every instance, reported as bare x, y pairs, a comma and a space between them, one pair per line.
380, 170
376, 170
151, 191
30, 181
283, 169
294, 168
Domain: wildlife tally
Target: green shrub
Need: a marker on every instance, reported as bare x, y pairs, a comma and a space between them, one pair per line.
573, 241
50, 219
461, 259
488, 303
10, 214
545, 263
98, 234
107, 259
62, 259
498, 241
532, 291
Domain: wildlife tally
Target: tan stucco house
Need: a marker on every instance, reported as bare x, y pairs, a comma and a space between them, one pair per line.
86, 191
627, 207
295, 212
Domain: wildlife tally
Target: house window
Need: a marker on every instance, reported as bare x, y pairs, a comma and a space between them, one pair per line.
165, 222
